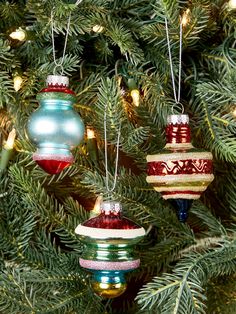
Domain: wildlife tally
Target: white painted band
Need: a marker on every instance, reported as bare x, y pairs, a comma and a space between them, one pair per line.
180, 178
179, 156
101, 233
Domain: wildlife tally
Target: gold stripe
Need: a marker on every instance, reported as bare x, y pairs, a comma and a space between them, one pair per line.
180, 178
180, 188
184, 196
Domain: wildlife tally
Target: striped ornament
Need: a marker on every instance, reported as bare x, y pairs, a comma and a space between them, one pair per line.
179, 171
109, 254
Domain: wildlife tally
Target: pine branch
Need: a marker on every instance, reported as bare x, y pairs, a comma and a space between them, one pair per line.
182, 291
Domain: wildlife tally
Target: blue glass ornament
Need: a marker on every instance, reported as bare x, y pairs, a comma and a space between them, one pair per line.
55, 127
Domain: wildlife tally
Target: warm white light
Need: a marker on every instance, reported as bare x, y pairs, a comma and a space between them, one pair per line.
234, 113
185, 18
232, 4
135, 96
10, 140
17, 80
19, 34
97, 207
90, 133
98, 28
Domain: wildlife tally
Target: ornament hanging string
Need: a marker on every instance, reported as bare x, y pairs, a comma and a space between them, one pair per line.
111, 189
176, 96
60, 63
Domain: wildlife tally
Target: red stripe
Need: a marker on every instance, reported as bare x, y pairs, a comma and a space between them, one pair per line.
177, 167
181, 192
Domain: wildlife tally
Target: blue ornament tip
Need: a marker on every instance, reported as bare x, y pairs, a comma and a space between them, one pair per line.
182, 206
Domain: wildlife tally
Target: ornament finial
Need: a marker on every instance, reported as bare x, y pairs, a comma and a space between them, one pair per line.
57, 80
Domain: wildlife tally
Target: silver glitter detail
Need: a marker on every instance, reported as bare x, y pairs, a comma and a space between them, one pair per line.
59, 80
110, 207
178, 119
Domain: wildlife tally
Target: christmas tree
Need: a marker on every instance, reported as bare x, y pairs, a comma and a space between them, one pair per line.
116, 56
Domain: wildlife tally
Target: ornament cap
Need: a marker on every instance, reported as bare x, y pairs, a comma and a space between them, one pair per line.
57, 80
110, 207
178, 119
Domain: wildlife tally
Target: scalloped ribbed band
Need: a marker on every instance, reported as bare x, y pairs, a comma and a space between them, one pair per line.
111, 207
102, 233
37, 156
105, 265
178, 119
59, 80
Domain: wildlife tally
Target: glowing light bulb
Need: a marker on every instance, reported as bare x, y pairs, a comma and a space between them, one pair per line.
17, 80
90, 133
135, 96
232, 4
10, 140
18, 34
234, 112
185, 17
98, 28
97, 207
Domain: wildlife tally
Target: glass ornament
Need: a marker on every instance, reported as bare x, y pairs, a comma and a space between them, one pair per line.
180, 172
55, 127
109, 252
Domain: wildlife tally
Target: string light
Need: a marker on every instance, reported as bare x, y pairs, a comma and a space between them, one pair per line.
234, 112
185, 17
90, 133
98, 28
232, 4
18, 34
17, 80
135, 97
7, 150
97, 207
10, 140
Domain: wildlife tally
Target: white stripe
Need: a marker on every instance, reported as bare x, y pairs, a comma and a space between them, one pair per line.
180, 178
101, 233
178, 156
180, 188
184, 196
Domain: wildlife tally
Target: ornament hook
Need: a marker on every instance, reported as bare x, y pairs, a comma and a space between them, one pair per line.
179, 107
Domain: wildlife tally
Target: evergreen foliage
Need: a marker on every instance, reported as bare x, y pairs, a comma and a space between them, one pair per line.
185, 268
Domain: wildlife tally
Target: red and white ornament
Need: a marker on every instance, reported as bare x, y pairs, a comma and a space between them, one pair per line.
180, 171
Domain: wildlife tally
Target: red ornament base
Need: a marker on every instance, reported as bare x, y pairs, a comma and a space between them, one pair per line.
53, 166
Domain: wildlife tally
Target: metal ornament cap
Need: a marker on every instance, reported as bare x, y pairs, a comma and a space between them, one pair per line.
109, 207
178, 119
57, 80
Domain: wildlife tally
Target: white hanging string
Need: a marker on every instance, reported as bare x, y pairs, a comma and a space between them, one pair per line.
176, 96
110, 189
59, 64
